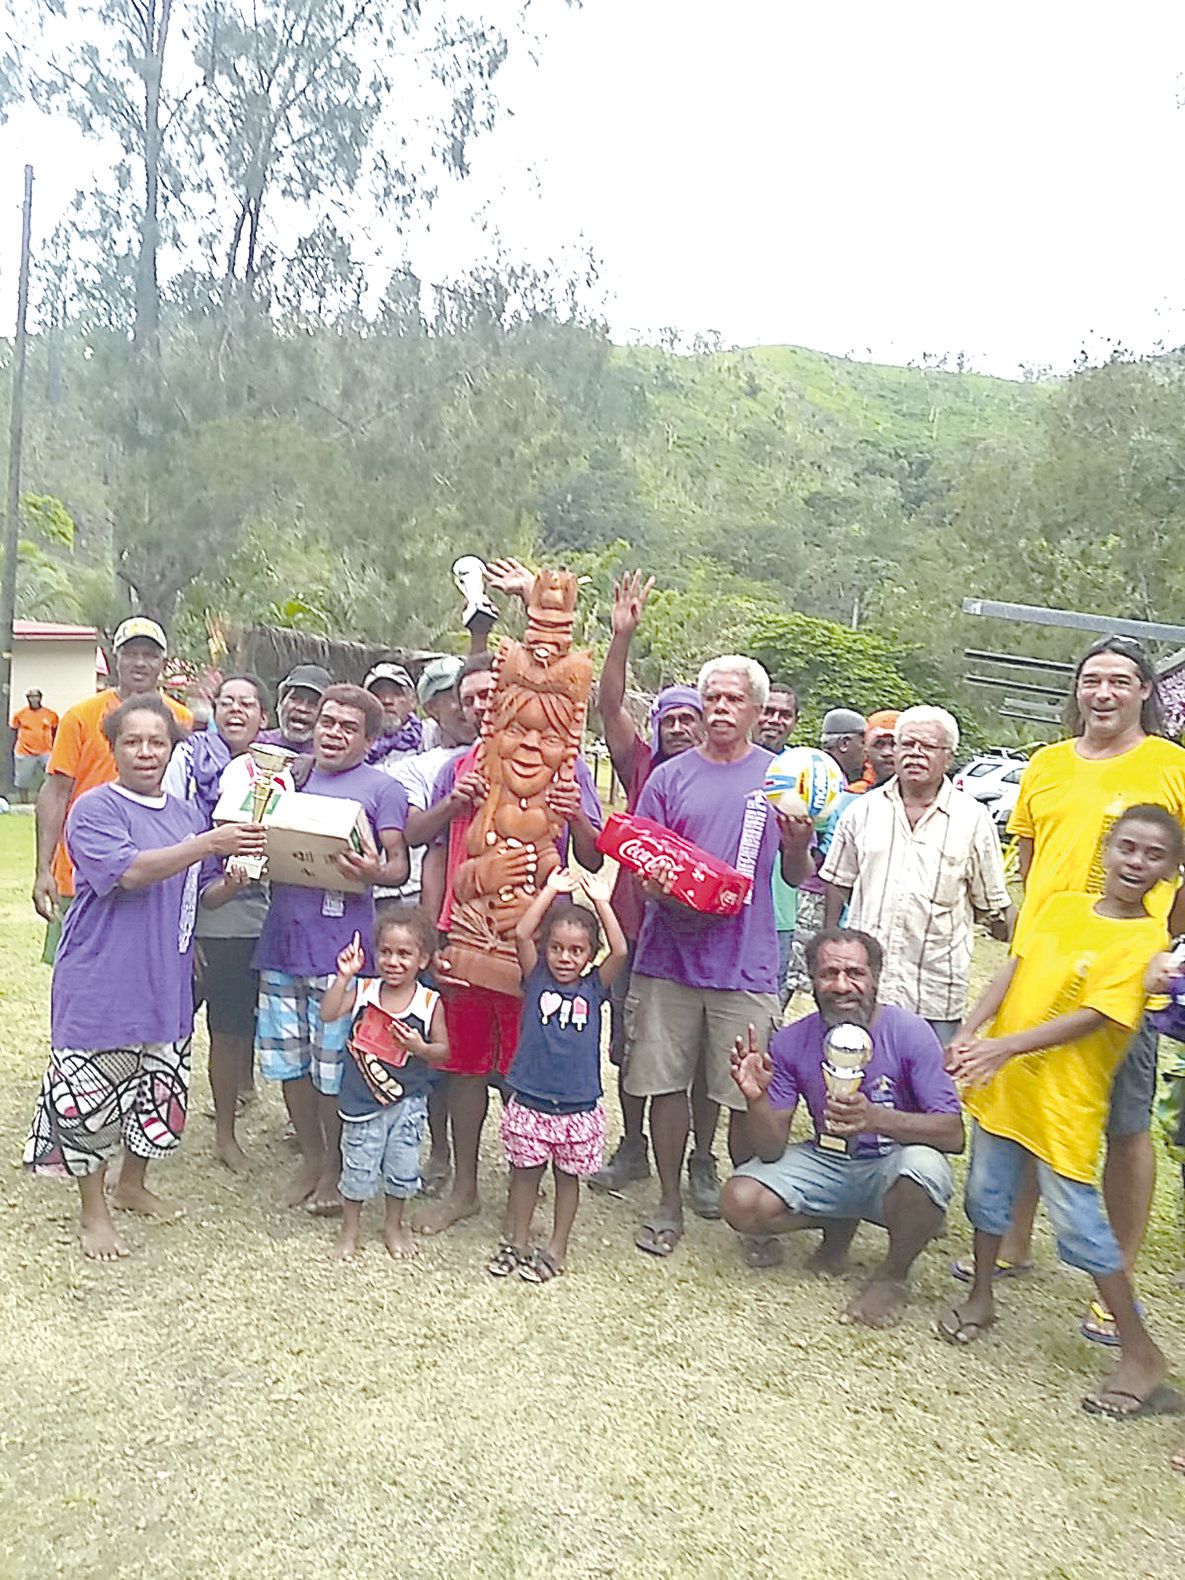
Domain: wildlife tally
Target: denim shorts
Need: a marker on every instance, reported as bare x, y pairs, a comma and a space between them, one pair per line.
1084, 1237
290, 1035
819, 1184
383, 1150
1134, 1091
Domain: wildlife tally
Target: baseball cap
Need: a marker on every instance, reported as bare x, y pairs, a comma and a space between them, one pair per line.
395, 673
140, 625
309, 677
440, 675
843, 721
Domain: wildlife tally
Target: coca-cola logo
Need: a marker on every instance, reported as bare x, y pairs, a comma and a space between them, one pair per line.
647, 858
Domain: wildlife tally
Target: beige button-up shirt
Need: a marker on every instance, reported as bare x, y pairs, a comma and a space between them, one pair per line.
916, 890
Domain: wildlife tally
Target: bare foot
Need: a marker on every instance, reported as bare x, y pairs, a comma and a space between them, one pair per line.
231, 1154
762, 1250
437, 1173
345, 1247
302, 1185
878, 1305
101, 1240
1178, 1460
138, 1198
400, 1241
326, 1199
827, 1261
435, 1220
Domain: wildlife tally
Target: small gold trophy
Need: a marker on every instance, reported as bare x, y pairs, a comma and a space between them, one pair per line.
270, 762
847, 1048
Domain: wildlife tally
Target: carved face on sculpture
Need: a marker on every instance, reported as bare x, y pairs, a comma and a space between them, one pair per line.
532, 748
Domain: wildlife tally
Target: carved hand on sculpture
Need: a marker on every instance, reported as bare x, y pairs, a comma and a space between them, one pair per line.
498, 869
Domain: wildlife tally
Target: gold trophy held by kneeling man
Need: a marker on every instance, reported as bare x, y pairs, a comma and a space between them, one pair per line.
269, 763
847, 1048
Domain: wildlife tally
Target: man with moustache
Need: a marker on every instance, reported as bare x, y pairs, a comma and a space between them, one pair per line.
676, 724
916, 863
899, 1127
700, 980
299, 698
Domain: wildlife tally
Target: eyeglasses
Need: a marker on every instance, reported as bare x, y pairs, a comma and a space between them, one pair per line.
931, 748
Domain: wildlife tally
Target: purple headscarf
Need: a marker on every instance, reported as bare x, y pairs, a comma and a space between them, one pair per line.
670, 698
409, 737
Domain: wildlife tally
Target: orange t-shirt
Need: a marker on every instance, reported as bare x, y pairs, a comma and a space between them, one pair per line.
80, 751
34, 730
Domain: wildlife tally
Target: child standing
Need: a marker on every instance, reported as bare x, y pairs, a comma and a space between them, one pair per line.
396, 1035
553, 1113
1063, 1010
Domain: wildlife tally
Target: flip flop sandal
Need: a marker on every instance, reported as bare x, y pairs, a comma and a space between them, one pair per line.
1161, 1401
649, 1237
1098, 1325
964, 1269
539, 1268
963, 1331
506, 1261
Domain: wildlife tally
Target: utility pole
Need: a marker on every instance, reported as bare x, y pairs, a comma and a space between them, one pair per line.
12, 536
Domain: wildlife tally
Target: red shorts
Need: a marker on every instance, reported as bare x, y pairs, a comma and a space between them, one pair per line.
575, 1143
482, 1030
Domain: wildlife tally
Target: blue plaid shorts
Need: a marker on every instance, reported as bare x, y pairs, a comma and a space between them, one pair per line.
290, 1035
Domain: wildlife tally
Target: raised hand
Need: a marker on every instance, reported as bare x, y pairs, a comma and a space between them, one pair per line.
562, 880
751, 1069
595, 888
629, 600
352, 958
511, 576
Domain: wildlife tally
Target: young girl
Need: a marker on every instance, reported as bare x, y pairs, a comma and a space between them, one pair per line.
553, 1113
398, 1031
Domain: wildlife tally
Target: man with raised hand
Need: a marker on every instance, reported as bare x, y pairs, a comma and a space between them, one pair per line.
700, 980
916, 863
81, 758
895, 1130
676, 725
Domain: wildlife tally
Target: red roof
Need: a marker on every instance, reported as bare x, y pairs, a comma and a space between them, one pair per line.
40, 630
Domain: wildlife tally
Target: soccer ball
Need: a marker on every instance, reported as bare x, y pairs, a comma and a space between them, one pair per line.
803, 782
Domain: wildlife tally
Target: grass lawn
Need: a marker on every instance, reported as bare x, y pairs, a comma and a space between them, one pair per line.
227, 1402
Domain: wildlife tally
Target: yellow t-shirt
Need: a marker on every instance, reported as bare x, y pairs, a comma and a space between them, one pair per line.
80, 751
1068, 805
1055, 1102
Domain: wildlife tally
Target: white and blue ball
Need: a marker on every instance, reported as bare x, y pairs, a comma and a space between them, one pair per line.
803, 782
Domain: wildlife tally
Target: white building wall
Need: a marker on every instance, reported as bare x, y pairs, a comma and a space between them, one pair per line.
64, 672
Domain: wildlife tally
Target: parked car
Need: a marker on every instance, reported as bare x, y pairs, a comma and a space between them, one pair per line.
993, 780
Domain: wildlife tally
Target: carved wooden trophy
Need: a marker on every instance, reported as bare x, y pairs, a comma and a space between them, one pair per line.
530, 738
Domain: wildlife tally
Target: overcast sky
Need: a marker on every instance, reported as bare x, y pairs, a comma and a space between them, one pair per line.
882, 180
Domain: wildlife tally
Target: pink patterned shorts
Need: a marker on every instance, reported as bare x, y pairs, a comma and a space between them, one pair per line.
575, 1143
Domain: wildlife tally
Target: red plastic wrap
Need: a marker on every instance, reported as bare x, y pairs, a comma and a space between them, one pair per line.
699, 880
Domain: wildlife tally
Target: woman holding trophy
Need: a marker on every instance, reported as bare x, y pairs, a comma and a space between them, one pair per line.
202, 767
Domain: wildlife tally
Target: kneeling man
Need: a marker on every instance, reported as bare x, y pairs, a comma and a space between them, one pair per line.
897, 1128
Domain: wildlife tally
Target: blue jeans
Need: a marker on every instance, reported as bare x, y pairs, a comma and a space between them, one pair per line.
820, 1184
1084, 1237
384, 1150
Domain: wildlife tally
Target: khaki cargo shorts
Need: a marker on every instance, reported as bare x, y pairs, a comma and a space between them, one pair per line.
669, 1027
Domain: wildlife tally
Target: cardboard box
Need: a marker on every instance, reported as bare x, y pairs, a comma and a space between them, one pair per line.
699, 880
304, 833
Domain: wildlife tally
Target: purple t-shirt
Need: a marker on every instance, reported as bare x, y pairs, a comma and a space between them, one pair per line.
124, 969
720, 808
905, 1071
278, 738
306, 929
